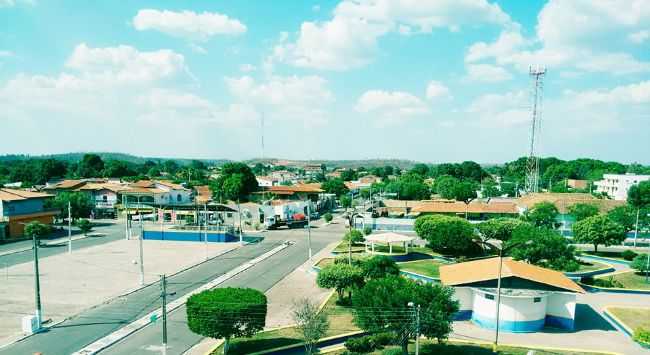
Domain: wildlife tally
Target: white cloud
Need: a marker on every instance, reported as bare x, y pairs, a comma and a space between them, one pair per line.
12, 3
5, 54
633, 94
500, 110
487, 73
188, 24
639, 37
247, 68
304, 98
578, 34
349, 39
391, 106
124, 64
197, 49
436, 89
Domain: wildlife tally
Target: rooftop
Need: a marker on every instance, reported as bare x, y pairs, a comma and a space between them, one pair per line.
19, 195
487, 269
461, 207
564, 200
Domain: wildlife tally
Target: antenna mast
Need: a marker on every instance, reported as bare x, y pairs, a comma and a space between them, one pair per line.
532, 164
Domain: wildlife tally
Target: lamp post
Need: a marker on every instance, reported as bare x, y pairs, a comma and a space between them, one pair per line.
417, 327
350, 221
501, 251
69, 228
309, 227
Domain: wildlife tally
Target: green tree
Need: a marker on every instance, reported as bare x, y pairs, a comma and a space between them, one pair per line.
379, 266
50, 168
37, 228
117, 168
354, 236
547, 248
335, 186
640, 263
346, 201
91, 165
80, 202
340, 277
348, 175
310, 321
465, 192
598, 230
543, 214
227, 313
451, 235
624, 215
499, 228
409, 187
581, 211
445, 186
327, 217
420, 169
490, 189
85, 226
235, 183
638, 196
378, 304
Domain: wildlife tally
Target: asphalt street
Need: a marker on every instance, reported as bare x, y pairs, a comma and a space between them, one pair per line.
263, 276
110, 231
92, 324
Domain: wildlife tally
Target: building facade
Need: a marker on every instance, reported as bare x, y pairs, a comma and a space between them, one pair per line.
19, 207
616, 186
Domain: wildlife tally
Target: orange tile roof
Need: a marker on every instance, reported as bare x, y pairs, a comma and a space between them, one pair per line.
203, 194
488, 269
172, 185
309, 188
102, 186
17, 194
461, 207
66, 184
564, 200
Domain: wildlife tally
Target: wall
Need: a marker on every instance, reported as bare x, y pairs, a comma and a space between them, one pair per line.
13, 208
516, 314
17, 223
561, 310
465, 298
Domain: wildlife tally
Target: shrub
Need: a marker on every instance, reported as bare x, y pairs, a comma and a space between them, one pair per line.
367, 230
642, 335
354, 236
392, 351
356, 260
327, 217
379, 266
640, 263
607, 282
628, 255
384, 339
362, 345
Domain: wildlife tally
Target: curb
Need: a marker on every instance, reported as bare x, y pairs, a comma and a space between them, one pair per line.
534, 347
50, 243
138, 324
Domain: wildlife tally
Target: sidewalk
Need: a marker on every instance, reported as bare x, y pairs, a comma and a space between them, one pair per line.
57, 241
299, 283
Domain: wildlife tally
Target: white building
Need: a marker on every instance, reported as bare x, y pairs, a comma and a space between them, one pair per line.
161, 193
617, 185
531, 297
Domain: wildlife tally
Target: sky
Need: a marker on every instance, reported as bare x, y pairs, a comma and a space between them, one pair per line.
426, 80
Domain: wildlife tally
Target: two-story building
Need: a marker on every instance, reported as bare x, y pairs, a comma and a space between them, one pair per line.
616, 186
105, 196
19, 207
158, 193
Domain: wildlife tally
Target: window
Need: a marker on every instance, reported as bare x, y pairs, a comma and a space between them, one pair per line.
104, 198
179, 198
537, 299
229, 214
489, 296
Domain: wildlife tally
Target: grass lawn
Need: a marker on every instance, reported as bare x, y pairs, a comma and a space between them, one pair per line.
343, 248
428, 267
632, 317
340, 319
610, 254
590, 266
324, 262
632, 280
452, 348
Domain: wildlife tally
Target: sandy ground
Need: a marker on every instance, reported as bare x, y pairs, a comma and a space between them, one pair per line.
71, 283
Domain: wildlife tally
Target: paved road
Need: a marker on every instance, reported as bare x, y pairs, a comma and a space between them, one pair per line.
111, 230
101, 320
262, 277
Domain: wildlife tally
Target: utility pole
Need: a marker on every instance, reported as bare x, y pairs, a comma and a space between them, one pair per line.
241, 238
309, 226
126, 215
417, 330
141, 252
205, 221
163, 284
37, 285
69, 228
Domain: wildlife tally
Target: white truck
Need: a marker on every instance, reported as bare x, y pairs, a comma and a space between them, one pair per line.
291, 214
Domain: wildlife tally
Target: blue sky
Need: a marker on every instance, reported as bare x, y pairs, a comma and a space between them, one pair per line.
433, 81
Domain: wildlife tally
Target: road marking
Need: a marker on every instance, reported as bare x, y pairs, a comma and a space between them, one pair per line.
130, 328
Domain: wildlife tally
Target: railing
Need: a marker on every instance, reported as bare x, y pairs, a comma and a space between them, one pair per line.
102, 204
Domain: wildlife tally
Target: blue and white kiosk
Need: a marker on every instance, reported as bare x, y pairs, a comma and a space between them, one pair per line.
532, 297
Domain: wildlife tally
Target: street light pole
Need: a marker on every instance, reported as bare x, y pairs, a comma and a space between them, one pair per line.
141, 253
205, 222
417, 330
37, 285
309, 227
496, 335
163, 283
241, 238
69, 228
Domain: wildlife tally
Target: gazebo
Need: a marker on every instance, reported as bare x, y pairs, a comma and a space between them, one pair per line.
389, 238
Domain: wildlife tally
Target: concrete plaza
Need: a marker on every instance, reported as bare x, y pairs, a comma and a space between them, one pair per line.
73, 282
